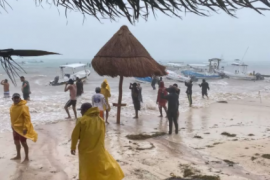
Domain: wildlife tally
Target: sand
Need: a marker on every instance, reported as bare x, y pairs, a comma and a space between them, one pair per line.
160, 157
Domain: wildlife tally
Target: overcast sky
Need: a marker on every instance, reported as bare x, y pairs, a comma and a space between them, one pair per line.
193, 38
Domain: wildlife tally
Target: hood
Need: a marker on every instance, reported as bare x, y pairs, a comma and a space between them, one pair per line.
92, 111
105, 89
22, 102
161, 84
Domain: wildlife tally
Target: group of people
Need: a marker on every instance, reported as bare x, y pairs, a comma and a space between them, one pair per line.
94, 160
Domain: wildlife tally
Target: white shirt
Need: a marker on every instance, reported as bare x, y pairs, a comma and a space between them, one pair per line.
98, 100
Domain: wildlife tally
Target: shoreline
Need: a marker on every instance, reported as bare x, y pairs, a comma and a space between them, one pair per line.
156, 158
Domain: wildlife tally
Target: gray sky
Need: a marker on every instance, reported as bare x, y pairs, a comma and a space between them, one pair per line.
193, 38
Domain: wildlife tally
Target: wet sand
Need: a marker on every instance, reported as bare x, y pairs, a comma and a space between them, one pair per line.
198, 146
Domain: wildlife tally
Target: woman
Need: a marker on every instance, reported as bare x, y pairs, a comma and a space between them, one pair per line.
106, 91
135, 98
160, 101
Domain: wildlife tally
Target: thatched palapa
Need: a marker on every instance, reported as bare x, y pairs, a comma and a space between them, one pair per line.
123, 55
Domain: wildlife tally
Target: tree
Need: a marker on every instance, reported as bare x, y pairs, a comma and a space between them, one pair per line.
135, 9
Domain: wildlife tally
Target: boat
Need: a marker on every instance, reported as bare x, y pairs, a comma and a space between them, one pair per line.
204, 71
177, 77
144, 79
82, 74
240, 72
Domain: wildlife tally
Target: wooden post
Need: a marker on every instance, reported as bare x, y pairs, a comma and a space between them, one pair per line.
119, 100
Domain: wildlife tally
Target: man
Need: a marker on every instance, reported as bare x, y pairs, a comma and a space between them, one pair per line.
95, 163
135, 95
172, 112
79, 85
6, 88
21, 126
205, 87
71, 87
98, 100
189, 92
106, 92
153, 82
25, 89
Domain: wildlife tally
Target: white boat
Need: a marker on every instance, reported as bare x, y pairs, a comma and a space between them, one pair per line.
239, 72
82, 74
177, 77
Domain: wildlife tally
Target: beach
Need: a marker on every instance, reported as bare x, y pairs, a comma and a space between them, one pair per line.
156, 158
225, 136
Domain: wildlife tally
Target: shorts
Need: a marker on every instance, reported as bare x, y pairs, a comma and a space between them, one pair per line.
26, 96
18, 137
101, 114
71, 103
6, 94
162, 104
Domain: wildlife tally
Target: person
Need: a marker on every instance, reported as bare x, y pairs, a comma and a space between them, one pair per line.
94, 160
25, 89
21, 126
106, 91
71, 87
178, 93
160, 101
6, 88
172, 99
154, 81
79, 85
205, 87
189, 92
135, 98
140, 92
98, 100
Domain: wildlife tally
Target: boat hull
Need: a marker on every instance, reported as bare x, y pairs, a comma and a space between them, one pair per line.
198, 75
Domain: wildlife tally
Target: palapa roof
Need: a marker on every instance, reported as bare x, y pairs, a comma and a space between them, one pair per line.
124, 55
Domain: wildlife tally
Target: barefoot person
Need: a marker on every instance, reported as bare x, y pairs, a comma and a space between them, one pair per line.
21, 126
79, 85
95, 163
71, 87
189, 92
135, 98
160, 101
172, 108
99, 101
25, 89
106, 91
6, 88
205, 87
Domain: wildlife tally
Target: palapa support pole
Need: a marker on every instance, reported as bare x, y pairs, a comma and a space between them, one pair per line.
119, 105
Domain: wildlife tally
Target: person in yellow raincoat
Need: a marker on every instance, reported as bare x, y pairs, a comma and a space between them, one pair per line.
106, 91
21, 126
95, 163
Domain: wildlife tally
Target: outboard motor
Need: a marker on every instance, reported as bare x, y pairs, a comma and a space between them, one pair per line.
259, 76
193, 78
56, 79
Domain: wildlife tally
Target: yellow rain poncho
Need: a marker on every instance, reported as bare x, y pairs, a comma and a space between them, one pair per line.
106, 91
21, 120
95, 163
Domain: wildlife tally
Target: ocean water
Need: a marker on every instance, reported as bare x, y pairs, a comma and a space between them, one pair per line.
47, 102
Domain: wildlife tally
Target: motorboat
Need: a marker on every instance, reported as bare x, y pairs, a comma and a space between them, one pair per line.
82, 74
203, 71
143, 80
240, 72
177, 77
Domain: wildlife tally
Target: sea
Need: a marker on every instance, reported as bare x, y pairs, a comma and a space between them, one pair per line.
47, 102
